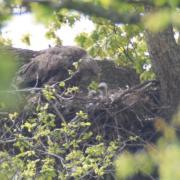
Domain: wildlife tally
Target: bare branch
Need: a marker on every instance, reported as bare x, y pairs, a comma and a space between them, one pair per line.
6, 141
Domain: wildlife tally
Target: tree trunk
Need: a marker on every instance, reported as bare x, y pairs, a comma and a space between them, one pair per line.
165, 55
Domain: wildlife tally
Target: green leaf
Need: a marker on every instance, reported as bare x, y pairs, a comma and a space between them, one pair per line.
157, 21
42, 13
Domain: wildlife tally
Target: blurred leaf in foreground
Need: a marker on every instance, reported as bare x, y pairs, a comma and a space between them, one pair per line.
8, 68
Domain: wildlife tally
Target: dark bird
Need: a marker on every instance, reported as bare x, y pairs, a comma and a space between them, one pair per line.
49, 66
88, 70
52, 65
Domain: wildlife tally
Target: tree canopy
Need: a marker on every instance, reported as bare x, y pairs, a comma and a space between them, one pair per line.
137, 34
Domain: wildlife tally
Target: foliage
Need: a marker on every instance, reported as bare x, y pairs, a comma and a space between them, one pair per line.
8, 67
60, 18
5, 41
163, 156
48, 146
26, 39
124, 44
5, 12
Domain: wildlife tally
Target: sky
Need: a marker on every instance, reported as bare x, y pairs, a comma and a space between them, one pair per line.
26, 23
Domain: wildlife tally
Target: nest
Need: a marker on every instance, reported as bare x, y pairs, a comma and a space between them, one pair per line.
126, 110
126, 115
123, 112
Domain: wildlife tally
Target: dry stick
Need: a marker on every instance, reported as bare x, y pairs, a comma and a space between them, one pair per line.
14, 140
54, 155
57, 111
21, 90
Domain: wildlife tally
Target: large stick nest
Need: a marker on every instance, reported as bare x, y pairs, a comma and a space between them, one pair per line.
121, 114
126, 110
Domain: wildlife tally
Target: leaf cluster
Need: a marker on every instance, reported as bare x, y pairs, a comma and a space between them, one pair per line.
45, 146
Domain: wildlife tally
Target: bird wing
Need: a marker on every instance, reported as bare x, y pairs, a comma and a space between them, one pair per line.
51, 62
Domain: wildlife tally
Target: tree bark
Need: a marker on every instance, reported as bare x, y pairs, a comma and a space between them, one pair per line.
165, 55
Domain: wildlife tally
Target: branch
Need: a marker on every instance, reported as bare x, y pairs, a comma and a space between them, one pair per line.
21, 90
98, 11
140, 2
92, 10
36, 1
6, 141
151, 3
